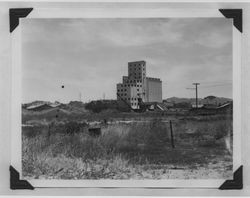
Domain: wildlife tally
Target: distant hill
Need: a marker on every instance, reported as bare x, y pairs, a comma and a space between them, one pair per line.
35, 103
216, 100
40, 103
206, 100
72, 106
177, 100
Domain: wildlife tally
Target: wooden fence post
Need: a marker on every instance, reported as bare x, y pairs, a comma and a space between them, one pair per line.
49, 132
171, 133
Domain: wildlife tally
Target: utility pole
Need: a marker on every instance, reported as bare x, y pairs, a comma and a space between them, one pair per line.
80, 97
196, 93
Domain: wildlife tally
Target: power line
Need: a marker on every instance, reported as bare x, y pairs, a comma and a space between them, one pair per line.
217, 82
217, 85
204, 84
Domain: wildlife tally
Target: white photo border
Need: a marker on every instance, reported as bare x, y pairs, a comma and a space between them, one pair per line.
16, 155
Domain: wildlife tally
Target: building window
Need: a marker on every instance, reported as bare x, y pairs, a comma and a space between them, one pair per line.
137, 89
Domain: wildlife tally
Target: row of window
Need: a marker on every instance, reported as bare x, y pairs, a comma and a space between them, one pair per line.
131, 81
134, 73
136, 68
138, 64
124, 90
128, 85
123, 94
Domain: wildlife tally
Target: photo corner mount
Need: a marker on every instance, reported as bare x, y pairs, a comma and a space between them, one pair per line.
236, 183
15, 14
236, 15
16, 183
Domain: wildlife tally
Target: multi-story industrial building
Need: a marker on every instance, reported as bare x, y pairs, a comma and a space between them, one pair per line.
137, 86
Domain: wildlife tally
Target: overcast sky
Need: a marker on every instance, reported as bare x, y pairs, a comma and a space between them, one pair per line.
89, 56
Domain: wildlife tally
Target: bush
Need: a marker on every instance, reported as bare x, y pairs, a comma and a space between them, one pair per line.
157, 136
98, 106
74, 127
222, 130
33, 131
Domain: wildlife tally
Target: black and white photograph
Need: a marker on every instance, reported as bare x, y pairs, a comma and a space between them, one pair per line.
127, 98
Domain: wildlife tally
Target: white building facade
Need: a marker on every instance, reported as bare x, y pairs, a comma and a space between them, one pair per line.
138, 86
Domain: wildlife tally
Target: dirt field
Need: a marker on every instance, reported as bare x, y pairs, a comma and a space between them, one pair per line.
128, 150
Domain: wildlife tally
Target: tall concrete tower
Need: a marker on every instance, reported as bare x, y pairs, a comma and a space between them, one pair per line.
136, 85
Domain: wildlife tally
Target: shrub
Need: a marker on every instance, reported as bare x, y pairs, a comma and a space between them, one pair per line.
74, 127
157, 136
33, 131
98, 106
222, 130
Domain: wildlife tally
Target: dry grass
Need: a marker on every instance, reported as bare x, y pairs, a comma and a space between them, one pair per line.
125, 151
